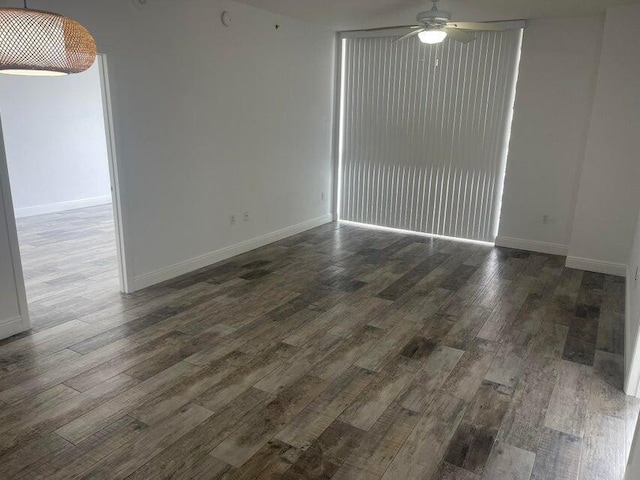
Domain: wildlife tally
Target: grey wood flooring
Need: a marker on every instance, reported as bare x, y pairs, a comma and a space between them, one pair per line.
341, 353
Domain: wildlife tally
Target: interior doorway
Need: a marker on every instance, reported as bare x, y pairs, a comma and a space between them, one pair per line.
60, 162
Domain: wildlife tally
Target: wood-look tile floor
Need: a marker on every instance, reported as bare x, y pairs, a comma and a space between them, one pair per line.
341, 353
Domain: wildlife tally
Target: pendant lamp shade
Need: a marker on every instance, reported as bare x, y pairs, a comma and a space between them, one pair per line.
33, 42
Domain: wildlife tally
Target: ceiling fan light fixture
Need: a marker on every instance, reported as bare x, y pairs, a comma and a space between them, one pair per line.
40, 43
432, 36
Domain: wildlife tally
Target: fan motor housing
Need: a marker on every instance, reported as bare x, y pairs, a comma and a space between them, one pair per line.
434, 18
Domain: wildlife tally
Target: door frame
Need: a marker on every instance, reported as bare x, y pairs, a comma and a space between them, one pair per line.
631, 355
119, 209
124, 269
12, 326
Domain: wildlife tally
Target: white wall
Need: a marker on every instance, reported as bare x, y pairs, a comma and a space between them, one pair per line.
55, 142
609, 196
212, 121
575, 142
558, 71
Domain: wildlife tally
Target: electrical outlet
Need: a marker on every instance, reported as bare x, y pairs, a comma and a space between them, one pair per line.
232, 219
246, 216
545, 219
322, 196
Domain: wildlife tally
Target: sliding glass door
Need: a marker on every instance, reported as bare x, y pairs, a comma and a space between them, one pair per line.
424, 132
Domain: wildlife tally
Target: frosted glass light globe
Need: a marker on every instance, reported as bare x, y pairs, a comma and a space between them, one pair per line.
432, 36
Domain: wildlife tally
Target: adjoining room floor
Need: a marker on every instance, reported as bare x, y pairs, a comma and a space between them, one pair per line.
342, 353
69, 262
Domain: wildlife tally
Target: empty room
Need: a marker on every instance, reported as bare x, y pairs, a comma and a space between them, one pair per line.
259, 239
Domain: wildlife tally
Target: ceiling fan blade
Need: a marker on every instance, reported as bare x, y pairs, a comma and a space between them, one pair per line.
460, 35
483, 26
396, 27
411, 34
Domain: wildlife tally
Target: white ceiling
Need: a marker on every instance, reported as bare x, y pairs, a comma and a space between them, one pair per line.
356, 14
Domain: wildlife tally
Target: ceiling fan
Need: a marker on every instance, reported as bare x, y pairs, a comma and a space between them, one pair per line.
436, 25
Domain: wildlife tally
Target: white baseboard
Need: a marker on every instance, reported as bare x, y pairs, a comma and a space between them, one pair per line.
153, 278
533, 245
598, 266
12, 326
62, 206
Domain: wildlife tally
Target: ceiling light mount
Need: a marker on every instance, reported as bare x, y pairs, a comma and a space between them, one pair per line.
434, 18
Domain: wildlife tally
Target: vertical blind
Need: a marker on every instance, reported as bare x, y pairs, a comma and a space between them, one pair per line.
424, 132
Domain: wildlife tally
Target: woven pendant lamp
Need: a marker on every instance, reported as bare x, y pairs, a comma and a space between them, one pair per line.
33, 42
